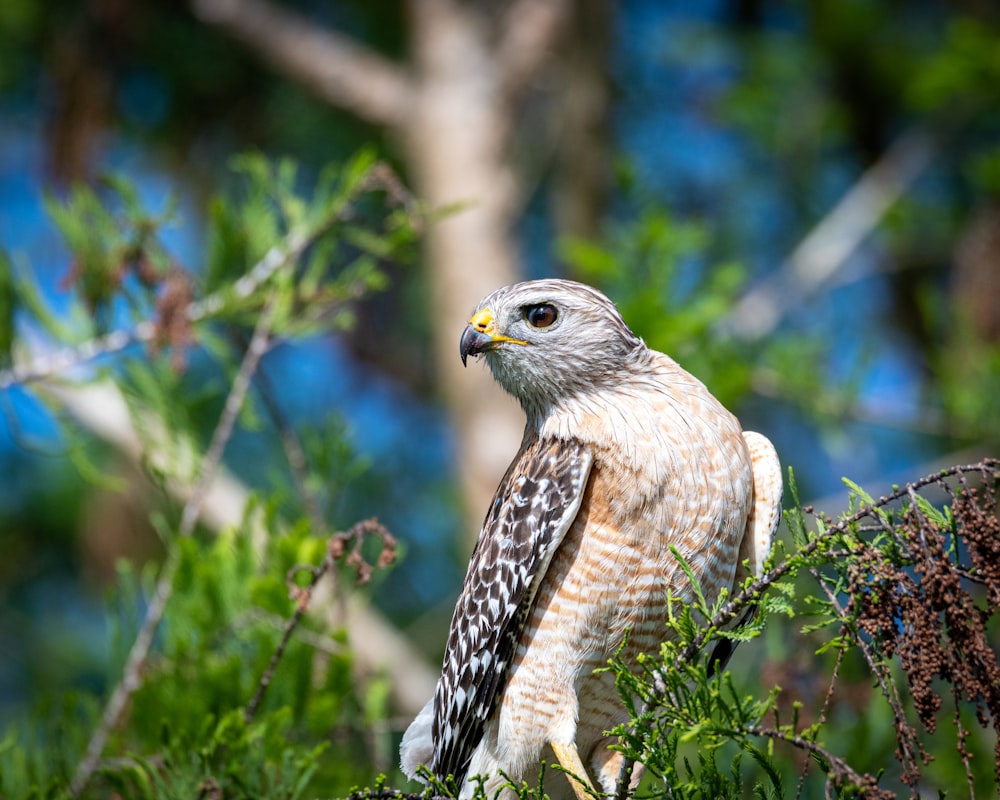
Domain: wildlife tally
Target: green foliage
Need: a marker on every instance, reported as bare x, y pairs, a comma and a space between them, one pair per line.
38, 756
969, 370
232, 688
224, 758
963, 71
654, 268
243, 236
783, 102
111, 241
896, 589
188, 725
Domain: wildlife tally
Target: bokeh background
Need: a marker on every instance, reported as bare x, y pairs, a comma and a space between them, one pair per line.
800, 201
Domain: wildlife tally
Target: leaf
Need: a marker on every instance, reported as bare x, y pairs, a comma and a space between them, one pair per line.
702, 604
937, 516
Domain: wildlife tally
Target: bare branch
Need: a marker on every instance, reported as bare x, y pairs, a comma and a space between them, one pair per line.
807, 763
46, 364
286, 636
827, 247
841, 773
342, 72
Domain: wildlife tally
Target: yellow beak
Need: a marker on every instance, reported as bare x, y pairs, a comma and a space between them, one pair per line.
480, 335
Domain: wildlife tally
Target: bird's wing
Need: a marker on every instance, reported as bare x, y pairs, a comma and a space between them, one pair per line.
534, 506
765, 515
761, 527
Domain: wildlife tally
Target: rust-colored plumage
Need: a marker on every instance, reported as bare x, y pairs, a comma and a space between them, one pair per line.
625, 456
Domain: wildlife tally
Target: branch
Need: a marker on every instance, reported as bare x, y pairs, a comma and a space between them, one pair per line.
906, 739
48, 364
342, 72
842, 772
286, 252
376, 644
827, 247
822, 718
529, 29
732, 609
336, 549
132, 673
735, 606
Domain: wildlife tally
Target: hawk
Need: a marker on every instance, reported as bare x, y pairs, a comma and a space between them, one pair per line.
624, 457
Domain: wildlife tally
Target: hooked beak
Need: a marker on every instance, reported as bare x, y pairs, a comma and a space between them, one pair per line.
473, 343
480, 335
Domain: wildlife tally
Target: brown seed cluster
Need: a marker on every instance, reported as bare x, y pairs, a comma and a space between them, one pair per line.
349, 544
929, 599
172, 326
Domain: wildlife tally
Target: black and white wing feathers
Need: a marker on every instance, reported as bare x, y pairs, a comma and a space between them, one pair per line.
533, 508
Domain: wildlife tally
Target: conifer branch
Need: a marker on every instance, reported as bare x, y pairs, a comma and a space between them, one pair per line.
902, 533
48, 364
336, 550
132, 673
286, 252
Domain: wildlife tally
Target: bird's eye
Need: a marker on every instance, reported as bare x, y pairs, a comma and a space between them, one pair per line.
541, 316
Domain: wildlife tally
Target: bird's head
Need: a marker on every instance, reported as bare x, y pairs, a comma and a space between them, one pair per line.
550, 340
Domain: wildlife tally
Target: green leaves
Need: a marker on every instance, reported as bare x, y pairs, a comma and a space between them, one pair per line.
965, 68
230, 688
874, 584
112, 238
226, 758
655, 269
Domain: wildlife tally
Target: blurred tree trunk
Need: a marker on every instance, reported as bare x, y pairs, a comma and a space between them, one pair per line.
453, 107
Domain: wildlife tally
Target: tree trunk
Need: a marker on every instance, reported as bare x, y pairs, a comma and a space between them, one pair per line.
455, 141
453, 109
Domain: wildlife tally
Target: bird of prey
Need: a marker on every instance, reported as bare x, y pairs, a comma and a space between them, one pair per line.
625, 457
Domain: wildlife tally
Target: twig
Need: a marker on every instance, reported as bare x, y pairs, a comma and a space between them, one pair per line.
963, 751
822, 717
752, 593
132, 673
304, 595
907, 746
49, 364
842, 771
336, 549
317, 641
